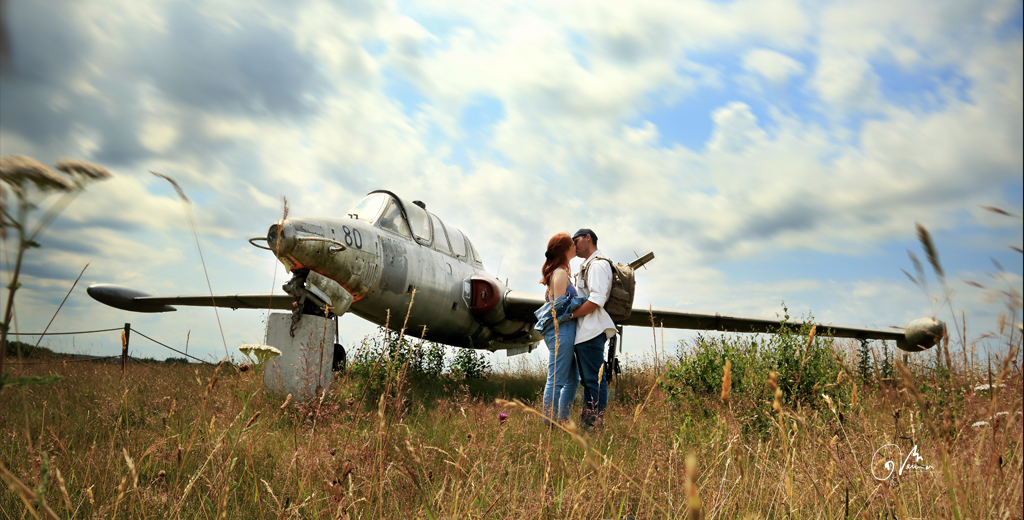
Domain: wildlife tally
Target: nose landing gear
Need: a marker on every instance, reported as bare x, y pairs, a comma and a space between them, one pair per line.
305, 300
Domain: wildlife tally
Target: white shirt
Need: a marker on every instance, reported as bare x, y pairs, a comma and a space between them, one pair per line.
596, 288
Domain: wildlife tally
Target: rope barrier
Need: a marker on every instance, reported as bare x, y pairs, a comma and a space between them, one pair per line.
97, 358
60, 333
171, 348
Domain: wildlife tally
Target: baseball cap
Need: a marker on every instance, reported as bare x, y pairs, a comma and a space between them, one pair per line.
585, 231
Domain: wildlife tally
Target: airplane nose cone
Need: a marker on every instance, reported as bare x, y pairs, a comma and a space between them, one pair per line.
281, 238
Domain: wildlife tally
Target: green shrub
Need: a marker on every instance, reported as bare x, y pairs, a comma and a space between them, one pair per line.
804, 371
430, 361
470, 364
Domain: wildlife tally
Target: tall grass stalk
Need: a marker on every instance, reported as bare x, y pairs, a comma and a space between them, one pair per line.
31, 184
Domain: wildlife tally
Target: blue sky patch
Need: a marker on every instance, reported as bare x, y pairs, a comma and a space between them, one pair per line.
923, 89
477, 121
403, 91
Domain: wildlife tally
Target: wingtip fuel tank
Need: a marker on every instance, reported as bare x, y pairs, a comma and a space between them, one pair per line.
124, 298
921, 334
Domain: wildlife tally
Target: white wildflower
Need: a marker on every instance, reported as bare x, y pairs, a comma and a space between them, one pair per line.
261, 352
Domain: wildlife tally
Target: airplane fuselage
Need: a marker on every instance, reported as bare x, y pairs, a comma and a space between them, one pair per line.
376, 274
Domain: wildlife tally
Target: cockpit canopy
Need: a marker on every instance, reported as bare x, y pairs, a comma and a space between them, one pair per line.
391, 213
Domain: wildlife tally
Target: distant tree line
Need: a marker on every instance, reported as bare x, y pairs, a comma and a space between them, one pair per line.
13, 348
30, 351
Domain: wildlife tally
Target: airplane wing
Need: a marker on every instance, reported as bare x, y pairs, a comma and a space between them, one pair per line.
521, 305
137, 301
696, 320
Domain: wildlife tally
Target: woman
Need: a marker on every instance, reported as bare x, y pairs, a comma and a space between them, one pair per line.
554, 320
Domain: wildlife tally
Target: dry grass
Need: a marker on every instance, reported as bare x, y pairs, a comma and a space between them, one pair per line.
198, 442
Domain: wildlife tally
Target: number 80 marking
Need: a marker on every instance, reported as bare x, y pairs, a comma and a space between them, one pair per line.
352, 237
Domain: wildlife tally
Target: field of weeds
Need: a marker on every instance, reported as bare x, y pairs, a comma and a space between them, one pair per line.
791, 425
188, 441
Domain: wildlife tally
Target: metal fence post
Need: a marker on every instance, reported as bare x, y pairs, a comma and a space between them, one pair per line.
124, 346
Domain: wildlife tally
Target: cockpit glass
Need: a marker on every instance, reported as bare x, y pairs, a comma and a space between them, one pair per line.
476, 256
458, 243
392, 220
369, 207
440, 242
419, 221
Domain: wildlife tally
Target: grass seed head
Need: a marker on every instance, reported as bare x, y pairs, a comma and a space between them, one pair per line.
776, 391
131, 468
63, 489
85, 170
810, 337
929, 248
828, 401
692, 497
177, 188
252, 419
727, 381
213, 379
16, 169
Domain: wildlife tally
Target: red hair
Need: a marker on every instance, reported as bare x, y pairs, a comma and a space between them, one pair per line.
558, 246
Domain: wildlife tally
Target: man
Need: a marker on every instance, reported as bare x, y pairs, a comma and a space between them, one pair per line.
594, 326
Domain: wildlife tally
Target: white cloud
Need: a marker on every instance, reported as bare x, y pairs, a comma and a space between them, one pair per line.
776, 67
847, 82
736, 129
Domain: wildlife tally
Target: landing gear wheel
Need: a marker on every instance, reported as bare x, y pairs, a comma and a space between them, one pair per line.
340, 360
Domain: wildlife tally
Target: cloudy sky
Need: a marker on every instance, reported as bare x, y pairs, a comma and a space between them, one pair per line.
765, 150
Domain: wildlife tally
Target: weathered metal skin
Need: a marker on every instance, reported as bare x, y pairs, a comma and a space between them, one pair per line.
384, 271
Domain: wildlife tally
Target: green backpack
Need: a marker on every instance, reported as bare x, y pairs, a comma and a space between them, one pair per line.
620, 302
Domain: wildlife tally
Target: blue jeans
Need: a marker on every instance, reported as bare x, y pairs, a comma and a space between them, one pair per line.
590, 358
560, 389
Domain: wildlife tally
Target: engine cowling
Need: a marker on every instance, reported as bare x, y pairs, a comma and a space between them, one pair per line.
486, 302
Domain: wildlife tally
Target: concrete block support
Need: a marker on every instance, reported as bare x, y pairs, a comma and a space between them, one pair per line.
305, 360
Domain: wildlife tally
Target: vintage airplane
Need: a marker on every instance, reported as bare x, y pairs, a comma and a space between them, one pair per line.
372, 260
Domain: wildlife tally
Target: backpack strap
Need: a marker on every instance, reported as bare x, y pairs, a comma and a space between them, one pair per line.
586, 267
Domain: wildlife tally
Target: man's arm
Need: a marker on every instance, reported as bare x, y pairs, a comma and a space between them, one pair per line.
587, 308
599, 279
